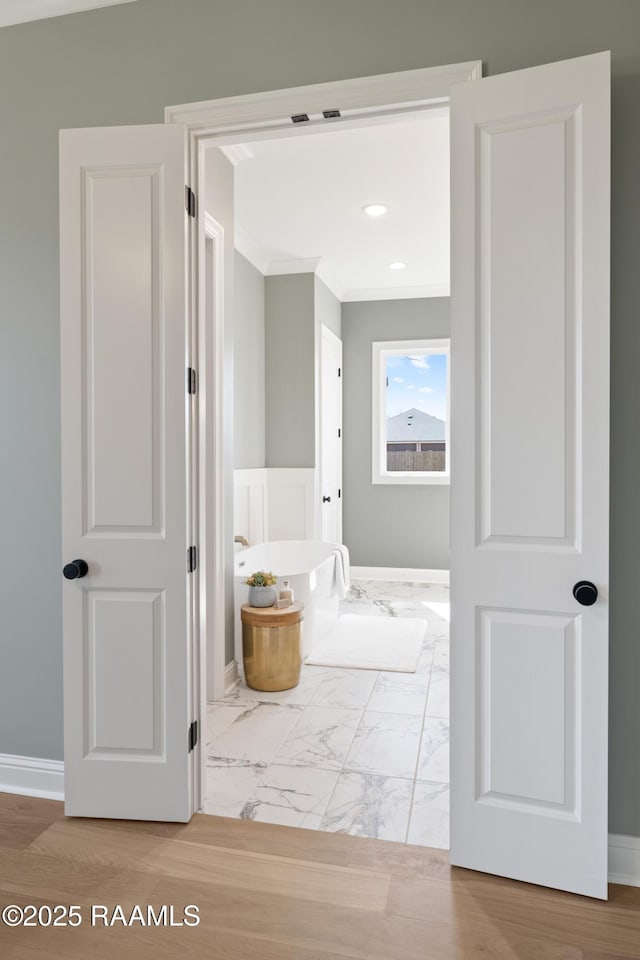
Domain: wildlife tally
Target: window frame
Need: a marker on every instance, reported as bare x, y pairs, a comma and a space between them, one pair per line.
380, 350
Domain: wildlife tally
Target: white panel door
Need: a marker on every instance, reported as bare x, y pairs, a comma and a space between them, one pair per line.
331, 434
127, 629
529, 475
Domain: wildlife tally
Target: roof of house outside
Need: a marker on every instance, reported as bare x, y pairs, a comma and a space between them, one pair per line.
413, 426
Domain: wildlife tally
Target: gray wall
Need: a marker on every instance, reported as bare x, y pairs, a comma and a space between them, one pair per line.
295, 306
387, 525
248, 365
124, 64
290, 370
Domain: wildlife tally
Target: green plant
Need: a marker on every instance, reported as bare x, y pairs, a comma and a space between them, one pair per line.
261, 579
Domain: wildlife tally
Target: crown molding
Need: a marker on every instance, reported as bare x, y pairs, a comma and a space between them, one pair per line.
306, 265
23, 11
251, 251
397, 293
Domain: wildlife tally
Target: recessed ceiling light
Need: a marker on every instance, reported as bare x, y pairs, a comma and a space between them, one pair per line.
375, 209
397, 265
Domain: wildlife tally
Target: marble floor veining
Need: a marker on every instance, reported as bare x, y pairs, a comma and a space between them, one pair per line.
362, 752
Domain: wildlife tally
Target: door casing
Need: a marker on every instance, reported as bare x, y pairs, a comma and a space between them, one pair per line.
215, 123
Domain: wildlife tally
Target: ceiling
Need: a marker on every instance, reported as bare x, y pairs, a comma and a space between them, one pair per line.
299, 207
21, 11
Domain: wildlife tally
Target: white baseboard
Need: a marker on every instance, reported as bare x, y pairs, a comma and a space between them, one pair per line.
32, 777
399, 573
230, 677
624, 860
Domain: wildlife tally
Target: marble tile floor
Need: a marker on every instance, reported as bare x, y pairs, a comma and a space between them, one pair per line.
352, 751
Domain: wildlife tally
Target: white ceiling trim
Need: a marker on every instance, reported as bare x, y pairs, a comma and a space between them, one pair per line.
397, 293
251, 251
23, 11
278, 268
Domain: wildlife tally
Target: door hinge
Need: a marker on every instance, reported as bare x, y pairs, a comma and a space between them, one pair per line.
339, 493
192, 559
191, 380
339, 432
192, 734
190, 201
339, 372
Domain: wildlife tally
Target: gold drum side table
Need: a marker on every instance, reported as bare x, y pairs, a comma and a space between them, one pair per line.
271, 648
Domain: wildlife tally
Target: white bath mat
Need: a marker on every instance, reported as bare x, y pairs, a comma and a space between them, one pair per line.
372, 643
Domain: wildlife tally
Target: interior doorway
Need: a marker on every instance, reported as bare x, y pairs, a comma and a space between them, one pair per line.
359, 746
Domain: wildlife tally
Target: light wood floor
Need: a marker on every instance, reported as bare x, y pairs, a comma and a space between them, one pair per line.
276, 893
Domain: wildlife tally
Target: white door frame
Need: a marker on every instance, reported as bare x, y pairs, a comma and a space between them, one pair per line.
326, 334
267, 115
211, 374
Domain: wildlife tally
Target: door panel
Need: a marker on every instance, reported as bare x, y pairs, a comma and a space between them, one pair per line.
125, 449
530, 388
540, 652
527, 326
125, 708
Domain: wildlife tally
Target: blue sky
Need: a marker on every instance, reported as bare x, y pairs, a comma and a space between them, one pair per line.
417, 381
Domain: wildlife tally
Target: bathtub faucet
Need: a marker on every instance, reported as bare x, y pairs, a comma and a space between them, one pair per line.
242, 540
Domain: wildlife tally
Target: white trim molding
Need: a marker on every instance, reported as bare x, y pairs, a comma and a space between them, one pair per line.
396, 293
23, 11
238, 152
267, 112
32, 777
400, 574
231, 677
245, 246
278, 268
624, 860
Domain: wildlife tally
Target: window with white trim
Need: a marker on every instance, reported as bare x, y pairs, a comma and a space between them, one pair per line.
410, 411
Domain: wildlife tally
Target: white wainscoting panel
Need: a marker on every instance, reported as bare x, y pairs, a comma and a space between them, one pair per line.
290, 498
250, 504
274, 503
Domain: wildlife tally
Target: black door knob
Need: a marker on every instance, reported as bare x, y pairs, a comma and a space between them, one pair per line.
75, 570
585, 592
326, 499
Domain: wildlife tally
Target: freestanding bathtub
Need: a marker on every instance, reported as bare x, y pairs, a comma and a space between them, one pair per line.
313, 571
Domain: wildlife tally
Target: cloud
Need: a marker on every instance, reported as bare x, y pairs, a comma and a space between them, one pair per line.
420, 362
426, 390
398, 379
411, 387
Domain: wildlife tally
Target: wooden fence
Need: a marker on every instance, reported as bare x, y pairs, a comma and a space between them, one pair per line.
415, 460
